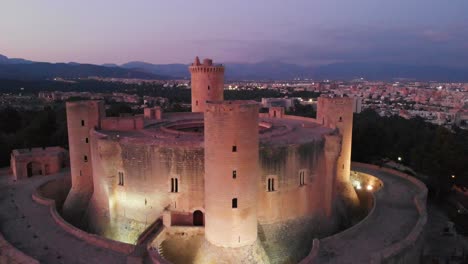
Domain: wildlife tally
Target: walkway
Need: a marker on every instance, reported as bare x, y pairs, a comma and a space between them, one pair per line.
394, 216
30, 228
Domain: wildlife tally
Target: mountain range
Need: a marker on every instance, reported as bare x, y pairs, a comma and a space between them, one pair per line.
268, 70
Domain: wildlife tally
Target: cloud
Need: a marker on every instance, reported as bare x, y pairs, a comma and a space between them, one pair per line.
408, 45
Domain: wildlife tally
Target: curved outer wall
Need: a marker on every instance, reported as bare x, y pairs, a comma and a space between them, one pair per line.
122, 212
81, 117
207, 84
227, 126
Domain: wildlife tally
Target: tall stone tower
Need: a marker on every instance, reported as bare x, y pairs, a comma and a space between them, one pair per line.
231, 172
207, 83
82, 116
338, 113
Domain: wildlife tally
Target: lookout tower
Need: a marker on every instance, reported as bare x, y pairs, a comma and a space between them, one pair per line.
82, 116
231, 172
207, 83
338, 113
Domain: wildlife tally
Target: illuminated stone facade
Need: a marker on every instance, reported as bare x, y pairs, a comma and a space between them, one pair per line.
249, 178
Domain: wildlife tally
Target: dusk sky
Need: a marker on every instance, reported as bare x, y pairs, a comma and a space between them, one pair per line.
429, 32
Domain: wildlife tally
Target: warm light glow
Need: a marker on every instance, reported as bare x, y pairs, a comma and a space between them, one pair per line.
453, 176
358, 187
399, 158
370, 187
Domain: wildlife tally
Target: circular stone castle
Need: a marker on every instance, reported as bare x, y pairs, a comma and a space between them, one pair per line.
221, 184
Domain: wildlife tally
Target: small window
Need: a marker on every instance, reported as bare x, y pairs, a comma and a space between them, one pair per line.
86, 140
234, 203
271, 184
85, 158
208, 87
121, 178
341, 119
174, 185
234, 174
302, 177
82, 122
81, 174
234, 148
196, 103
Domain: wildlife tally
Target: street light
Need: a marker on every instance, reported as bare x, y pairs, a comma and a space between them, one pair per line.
399, 158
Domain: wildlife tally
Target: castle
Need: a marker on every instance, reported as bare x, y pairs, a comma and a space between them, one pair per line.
268, 180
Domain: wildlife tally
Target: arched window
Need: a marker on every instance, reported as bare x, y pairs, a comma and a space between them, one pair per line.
174, 185
85, 158
82, 122
271, 184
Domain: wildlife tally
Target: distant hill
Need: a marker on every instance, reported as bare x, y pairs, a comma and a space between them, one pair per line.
268, 70
339, 71
382, 71
25, 70
236, 71
174, 70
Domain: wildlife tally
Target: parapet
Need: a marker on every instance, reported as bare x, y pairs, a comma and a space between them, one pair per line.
229, 106
207, 66
336, 100
153, 113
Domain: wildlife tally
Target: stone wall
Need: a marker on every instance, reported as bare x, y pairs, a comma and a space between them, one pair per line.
407, 250
78, 233
124, 123
122, 211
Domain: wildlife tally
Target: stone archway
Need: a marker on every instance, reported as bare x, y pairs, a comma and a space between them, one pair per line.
34, 168
198, 218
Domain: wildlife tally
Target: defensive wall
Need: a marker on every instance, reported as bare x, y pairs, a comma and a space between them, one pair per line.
54, 197
402, 246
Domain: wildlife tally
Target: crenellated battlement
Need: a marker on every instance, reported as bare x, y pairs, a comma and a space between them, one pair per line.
206, 69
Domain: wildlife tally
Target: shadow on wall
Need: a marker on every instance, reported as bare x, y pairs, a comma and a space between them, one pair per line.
56, 190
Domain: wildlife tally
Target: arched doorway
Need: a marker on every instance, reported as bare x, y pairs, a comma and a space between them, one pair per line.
34, 168
198, 218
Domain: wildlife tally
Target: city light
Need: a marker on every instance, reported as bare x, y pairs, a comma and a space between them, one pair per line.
399, 158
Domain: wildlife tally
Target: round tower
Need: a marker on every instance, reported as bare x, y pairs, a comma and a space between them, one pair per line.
338, 113
207, 83
231, 172
82, 116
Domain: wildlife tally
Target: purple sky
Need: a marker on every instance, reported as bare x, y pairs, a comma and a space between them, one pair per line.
297, 31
